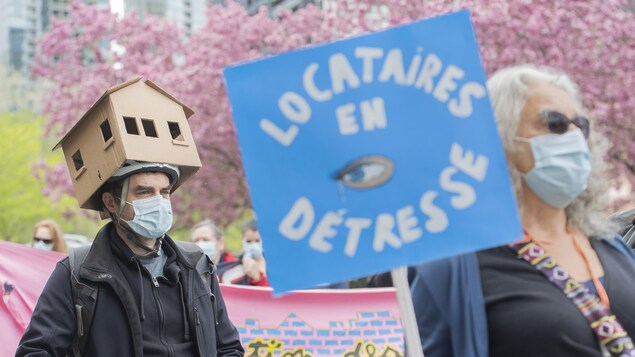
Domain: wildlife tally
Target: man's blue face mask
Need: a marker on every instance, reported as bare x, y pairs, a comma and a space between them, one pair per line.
561, 167
152, 216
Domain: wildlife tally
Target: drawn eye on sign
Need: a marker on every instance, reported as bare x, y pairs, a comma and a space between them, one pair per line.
366, 172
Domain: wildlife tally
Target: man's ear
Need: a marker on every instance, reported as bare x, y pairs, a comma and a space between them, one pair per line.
109, 202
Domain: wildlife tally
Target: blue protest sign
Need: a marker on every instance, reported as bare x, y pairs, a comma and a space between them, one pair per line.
372, 152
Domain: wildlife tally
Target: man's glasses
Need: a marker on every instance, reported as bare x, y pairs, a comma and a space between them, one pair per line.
558, 123
47, 241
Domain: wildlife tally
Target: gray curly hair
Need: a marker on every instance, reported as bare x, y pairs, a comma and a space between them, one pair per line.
507, 88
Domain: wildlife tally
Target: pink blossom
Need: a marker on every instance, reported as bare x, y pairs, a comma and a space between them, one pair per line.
593, 41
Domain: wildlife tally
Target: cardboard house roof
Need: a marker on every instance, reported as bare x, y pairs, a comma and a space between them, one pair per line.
186, 109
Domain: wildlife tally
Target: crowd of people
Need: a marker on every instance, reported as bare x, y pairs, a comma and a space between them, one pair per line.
249, 268
559, 291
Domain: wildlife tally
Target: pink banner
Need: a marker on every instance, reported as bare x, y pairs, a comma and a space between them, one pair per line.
349, 323
23, 273
354, 322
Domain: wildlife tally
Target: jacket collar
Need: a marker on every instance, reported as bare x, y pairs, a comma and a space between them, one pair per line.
101, 257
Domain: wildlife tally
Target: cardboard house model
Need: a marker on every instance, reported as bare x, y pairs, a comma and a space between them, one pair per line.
135, 120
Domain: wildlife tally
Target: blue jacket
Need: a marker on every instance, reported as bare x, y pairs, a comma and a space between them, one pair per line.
449, 305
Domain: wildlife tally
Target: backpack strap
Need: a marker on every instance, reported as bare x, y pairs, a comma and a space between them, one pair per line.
84, 298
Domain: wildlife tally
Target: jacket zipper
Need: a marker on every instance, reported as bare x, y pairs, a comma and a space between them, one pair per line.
202, 345
79, 315
197, 329
215, 308
161, 316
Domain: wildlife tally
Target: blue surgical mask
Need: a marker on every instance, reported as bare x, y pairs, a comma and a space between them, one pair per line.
561, 167
152, 216
43, 246
208, 247
252, 250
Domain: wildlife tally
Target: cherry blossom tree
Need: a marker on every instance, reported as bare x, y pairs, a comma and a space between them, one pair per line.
593, 41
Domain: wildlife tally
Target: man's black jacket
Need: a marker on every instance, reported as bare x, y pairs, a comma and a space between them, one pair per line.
117, 328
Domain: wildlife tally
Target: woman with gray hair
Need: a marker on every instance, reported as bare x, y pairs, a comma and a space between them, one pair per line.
559, 290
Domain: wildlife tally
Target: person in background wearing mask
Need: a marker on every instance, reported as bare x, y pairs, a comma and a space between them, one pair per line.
562, 290
207, 235
47, 235
251, 267
151, 299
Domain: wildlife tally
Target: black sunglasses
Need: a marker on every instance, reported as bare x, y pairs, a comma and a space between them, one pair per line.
558, 123
47, 241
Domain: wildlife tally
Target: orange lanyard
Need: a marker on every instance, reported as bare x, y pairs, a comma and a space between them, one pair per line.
596, 282
598, 285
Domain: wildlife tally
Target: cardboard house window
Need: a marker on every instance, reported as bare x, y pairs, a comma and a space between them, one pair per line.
175, 131
106, 133
131, 125
78, 162
148, 128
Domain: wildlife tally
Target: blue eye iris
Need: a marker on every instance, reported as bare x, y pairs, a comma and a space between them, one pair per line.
366, 172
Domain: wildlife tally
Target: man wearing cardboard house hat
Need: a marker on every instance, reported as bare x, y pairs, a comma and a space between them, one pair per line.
135, 291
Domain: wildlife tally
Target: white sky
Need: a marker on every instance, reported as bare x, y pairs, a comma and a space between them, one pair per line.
116, 6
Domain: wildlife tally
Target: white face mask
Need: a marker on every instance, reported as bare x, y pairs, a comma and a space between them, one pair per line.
152, 216
561, 167
208, 247
252, 250
44, 246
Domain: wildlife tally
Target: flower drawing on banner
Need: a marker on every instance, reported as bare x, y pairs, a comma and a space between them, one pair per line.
7, 289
